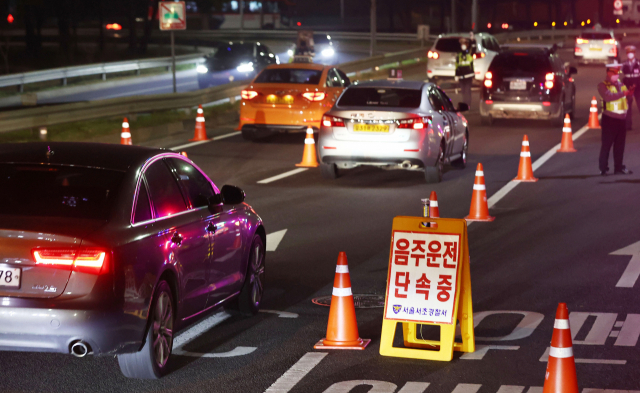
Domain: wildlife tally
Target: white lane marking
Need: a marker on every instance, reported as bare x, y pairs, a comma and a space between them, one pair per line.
376, 386
196, 330
630, 332
545, 358
535, 389
414, 387
525, 328
632, 272
274, 239
482, 350
510, 389
215, 138
281, 314
289, 379
237, 351
599, 331
467, 388
283, 175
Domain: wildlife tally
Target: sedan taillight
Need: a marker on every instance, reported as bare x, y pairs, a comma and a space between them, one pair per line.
330, 121
417, 123
433, 55
248, 94
549, 80
85, 260
314, 95
487, 79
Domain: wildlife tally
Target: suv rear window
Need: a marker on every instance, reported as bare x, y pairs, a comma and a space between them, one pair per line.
385, 97
289, 75
57, 191
596, 36
449, 44
509, 64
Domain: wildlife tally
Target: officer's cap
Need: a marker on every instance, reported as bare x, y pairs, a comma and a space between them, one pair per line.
630, 48
615, 66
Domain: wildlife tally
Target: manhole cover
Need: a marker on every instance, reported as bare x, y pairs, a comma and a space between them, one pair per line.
360, 301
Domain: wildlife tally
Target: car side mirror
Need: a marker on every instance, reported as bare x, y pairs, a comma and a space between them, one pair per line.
573, 70
232, 195
462, 107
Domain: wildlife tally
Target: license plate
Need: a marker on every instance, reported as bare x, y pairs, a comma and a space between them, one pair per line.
518, 85
10, 277
370, 128
279, 100
596, 49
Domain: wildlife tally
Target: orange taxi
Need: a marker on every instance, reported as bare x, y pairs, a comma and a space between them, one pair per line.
289, 98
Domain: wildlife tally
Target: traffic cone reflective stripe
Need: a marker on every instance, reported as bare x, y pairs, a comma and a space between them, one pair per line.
561, 369
342, 328
525, 169
434, 211
566, 146
125, 135
309, 157
593, 114
200, 133
479, 210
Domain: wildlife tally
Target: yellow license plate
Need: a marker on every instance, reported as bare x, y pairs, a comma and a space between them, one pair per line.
370, 128
273, 99
596, 49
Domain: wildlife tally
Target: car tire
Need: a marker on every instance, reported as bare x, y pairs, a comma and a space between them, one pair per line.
329, 171
559, 121
486, 120
153, 361
461, 162
250, 298
433, 174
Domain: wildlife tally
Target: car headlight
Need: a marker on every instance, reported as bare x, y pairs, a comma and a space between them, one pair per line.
245, 67
202, 69
328, 52
290, 52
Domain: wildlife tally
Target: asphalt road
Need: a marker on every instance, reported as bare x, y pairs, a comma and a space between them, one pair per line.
551, 242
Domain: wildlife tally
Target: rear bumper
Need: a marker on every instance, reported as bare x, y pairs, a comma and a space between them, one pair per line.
516, 110
441, 72
55, 330
279, 117
593, 57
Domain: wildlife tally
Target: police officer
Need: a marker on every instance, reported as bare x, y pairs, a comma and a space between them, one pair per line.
614, 114
464, 70
631, 73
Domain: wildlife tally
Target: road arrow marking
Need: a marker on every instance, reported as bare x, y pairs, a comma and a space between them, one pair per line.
631, 273
274, 239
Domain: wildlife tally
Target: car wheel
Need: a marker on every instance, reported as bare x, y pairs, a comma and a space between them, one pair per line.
433, 174
329, 171
152, 361
573, 106
486, 120
559, 121
462, 161
250, 296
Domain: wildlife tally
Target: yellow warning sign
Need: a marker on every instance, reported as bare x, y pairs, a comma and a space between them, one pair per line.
428, 283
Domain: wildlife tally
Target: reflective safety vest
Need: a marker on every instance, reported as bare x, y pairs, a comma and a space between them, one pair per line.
619, 105
465, 61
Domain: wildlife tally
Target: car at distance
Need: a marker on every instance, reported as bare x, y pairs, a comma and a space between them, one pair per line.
289, 98
528, 82
596, 45
442, 55
235, 60
396, 124
112, 249
323, 48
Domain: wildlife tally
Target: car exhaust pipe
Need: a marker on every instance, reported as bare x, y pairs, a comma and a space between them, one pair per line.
80, 349
406, 164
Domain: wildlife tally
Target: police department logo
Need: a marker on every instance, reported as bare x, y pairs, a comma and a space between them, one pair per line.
397, 308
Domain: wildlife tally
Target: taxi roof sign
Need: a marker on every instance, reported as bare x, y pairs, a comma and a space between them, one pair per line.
173, 15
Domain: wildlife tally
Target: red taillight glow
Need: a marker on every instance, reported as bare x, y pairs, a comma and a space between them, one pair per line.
488, 102
488, 83
248, 94
546, 103
433, 55
114, 26
85, 260
329, 121
314, 95
549, 80
613, 51
417, 123
479, 55
578, 50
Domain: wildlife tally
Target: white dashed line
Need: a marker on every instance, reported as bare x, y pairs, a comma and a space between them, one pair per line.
295, 374
215, 138
274, 239
283, 175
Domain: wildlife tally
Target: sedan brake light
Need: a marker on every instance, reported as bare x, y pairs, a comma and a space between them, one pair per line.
416, 123
479, 55
330, 121
248, 94
314, 95
578, 49
85, 260
549, 80
487, 79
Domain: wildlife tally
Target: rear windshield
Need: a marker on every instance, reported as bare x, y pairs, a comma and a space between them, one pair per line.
520, 63
596, 36
57, 191
449, 45
289, 75
371, 96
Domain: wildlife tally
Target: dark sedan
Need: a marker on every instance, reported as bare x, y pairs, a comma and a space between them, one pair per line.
110, 249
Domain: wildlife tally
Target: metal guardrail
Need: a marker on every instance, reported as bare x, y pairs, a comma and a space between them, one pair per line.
66, 113
532, 35
94, 69
271, 34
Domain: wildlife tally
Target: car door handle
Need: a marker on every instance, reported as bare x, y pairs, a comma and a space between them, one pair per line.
211, 228
176, 239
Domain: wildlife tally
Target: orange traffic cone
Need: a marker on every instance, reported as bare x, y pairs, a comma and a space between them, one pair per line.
309, 158
593, 114
125, 135
434, 211
200, 133
561, 370
184, 153
525, 170
342, 329
567, 137
479, 210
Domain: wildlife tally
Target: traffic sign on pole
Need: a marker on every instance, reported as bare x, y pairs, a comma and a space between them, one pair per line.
173, 15
617, 7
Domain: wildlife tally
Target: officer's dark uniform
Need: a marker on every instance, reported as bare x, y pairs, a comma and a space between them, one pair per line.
631, 73
465, 72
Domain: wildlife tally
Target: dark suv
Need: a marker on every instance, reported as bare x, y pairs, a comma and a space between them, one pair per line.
528, 82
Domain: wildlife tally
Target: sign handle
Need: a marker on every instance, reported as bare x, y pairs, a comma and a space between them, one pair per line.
173, 61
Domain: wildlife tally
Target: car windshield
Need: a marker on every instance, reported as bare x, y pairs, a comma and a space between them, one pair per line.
596, 36
516, 63
57, 191
289, 75
233, 51
449, 44
378, 96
